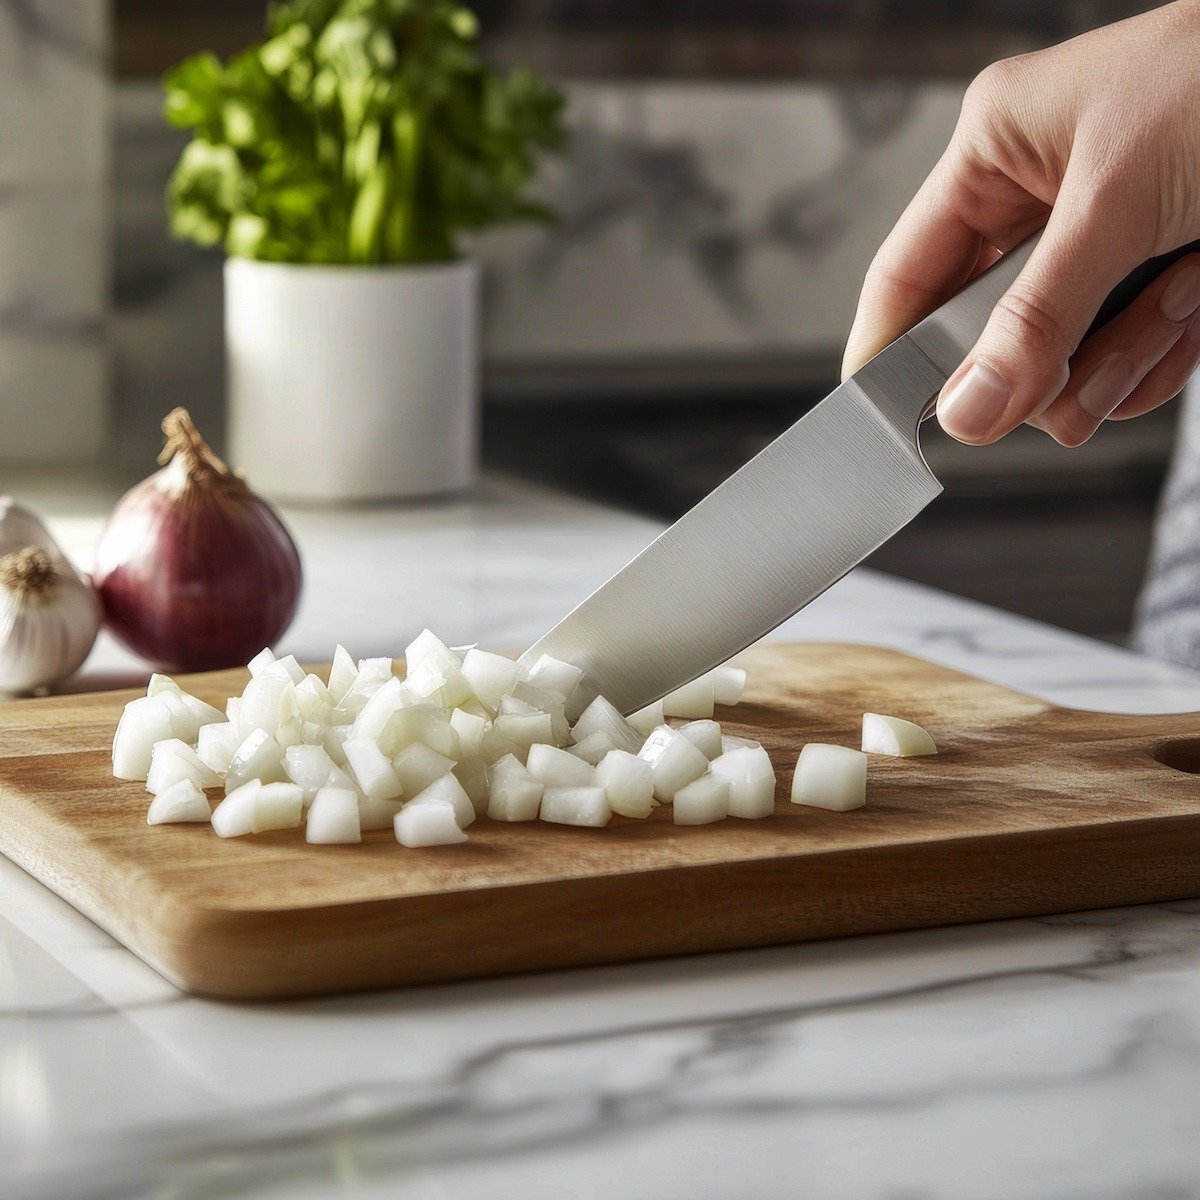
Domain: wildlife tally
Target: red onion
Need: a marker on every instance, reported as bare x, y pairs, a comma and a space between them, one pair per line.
194, 569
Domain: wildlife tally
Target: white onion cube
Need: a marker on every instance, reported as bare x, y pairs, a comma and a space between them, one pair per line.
832, 777
429, 824
705, 736
143, 722
490, 676
694, 699
342, 674
894, 736
524, 729
448, 790
234, 816
751, 779
263, 659
601, 716
514, 794
333, 818
646, 720
728, 685
673, 760
556, 676
181, 802
377, 814
418, 765
469, 728
260, 757
276, 806
628, 782
472, 774
702, 801
172, 760
594, 747
556, 768
372, 769
587, 806
308, 767
216, 745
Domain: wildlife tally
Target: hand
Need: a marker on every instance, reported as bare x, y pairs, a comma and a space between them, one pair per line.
1099, 140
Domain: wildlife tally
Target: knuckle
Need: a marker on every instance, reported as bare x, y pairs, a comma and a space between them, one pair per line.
1034, 324
996, 82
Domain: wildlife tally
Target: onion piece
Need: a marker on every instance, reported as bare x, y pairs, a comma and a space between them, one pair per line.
469, 729
674, 761
309, 768
447, 790
472, 774
333, 818
751, 779
729, 742
728, 685
181, 802
524, 729
259, 757
234, 816
694, 699
702, 801
173, 760
143, 722
831, 777
557, 768
276, 806
602, 717
377, 814
586, 806
628, 783
514, 794
216, 745
425, 645
594, 747
418, 765
895, 736
646, 720
556, 676
342, 674
705, 736
428, 824
372, 769
491, 676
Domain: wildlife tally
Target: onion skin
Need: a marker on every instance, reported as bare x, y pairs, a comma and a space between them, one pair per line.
195, 571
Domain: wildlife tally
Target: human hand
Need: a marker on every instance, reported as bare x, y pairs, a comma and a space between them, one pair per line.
1098, 139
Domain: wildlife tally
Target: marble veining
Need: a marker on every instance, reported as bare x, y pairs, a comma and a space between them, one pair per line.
1048, 1059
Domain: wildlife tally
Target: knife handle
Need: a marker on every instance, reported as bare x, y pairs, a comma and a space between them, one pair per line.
947, 335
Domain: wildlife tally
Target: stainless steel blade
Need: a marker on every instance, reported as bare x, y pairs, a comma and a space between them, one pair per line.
773, 536
845, 478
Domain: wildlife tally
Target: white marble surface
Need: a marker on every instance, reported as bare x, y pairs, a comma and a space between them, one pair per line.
1050, 1059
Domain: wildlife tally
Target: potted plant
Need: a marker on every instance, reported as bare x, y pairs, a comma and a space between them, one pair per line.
340, 163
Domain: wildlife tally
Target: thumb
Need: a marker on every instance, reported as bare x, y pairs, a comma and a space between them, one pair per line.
1021, 361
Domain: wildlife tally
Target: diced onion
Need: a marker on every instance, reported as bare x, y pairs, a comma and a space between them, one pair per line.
587, 806
894, 736
181, 802
428, 824
832, 777
702, 801
333, 818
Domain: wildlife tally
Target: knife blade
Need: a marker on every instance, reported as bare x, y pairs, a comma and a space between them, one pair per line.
782, 529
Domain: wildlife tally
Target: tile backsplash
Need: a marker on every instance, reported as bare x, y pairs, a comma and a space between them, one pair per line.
712, 229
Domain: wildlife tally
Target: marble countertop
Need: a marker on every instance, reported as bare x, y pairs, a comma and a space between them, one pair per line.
1048, 1059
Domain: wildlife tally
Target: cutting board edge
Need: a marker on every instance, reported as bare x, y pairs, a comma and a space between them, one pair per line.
233, 954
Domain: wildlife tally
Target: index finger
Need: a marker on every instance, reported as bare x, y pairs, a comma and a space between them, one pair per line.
945, 236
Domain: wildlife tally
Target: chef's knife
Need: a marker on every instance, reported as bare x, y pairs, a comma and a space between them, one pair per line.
819, 499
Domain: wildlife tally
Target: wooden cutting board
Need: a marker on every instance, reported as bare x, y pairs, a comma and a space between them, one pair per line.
1028, 809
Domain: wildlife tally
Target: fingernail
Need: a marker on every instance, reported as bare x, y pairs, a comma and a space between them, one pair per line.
1182, 296
1107, 386
975, 403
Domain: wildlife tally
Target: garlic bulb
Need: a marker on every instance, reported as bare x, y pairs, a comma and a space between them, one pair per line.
49, 618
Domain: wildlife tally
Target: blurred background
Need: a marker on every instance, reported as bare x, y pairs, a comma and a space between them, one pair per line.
730, 173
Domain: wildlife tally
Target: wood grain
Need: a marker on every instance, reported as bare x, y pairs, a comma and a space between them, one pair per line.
1028, 809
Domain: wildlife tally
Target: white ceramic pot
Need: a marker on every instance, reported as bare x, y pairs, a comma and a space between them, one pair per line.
353, 383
